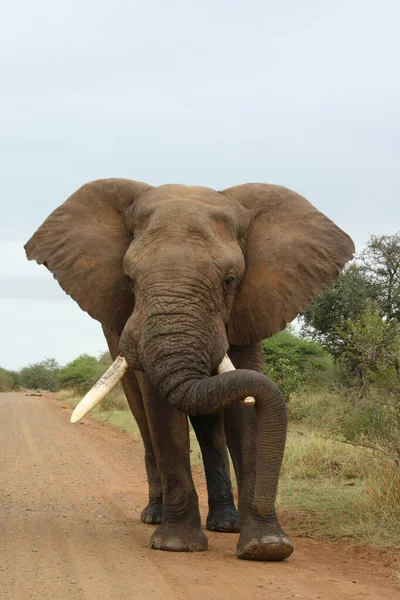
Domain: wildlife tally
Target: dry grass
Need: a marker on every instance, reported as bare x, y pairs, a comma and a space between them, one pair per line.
330, 489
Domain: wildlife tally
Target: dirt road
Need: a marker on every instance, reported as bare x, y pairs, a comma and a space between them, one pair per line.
70, 499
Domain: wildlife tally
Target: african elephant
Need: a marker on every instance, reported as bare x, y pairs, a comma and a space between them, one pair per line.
178, 276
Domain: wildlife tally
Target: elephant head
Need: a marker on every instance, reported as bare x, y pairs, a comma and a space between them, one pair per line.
180, 273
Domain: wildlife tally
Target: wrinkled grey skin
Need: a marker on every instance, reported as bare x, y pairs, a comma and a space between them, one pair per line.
178, 276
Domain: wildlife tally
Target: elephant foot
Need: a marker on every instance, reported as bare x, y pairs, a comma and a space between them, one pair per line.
152, 514
223, 518
178, 538
264, 541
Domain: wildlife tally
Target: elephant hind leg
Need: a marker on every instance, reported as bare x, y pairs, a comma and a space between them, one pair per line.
222, 513
153, 512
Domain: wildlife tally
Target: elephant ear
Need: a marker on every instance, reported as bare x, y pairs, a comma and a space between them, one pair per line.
83, 243
292, 253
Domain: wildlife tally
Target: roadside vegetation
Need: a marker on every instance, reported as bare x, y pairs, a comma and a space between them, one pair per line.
339, 371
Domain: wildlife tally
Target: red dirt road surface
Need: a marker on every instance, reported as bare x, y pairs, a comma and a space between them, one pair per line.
70, 500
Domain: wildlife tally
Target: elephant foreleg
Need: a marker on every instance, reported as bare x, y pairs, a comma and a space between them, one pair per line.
180, 530
222, 513
261, 538
152, 513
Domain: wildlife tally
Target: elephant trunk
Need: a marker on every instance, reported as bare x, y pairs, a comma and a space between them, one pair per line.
182, 376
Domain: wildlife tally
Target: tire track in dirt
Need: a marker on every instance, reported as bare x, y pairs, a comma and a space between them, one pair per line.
70, 501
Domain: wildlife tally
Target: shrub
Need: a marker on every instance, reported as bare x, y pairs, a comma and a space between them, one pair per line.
372, 345
9, 380
81, 373
373, 421
42, 375
294, 362
372, 414
373, 280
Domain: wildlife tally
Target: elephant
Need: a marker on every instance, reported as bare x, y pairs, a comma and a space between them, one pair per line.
178, 276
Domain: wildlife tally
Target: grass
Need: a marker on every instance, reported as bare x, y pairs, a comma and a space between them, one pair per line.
328, 489
333, 490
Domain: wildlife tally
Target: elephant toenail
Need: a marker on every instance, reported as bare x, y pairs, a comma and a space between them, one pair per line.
148, 519
174, 544
156, 543
252, 546
193, 547
286, 541
270, 539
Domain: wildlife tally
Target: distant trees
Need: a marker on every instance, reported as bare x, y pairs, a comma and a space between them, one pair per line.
358, 320
381, 263
9, 380
81, 373
372, 416
48, 375
371, 283
41, 375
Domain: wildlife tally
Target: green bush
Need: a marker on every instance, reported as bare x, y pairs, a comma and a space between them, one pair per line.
293, 362
372, 346
105, 360
372, 281
9, 380
372, 418
42, 375
365, 412
81, 373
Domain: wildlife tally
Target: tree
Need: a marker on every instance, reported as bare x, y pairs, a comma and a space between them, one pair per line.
381, 262
326, 316
373, 280
371, 342
42, 375
372, 417
81, 373
9, 380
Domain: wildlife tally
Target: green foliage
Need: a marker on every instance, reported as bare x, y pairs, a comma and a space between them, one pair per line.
373, 281
373, 422
373, 415
328, 314
366, 412
370, 344
81, 373
293, 362
42, 375
16, 379
381, 260
105, 360
9, 380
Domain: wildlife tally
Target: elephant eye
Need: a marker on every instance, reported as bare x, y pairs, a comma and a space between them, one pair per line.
229, 282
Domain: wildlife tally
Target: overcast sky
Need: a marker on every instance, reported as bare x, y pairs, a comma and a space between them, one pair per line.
214, 92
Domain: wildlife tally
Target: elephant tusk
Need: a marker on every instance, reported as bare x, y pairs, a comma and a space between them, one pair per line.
114, 374
227, 365
99, 391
